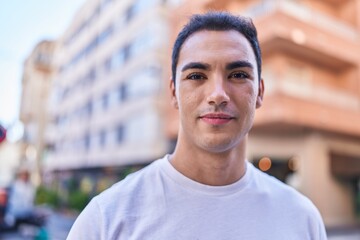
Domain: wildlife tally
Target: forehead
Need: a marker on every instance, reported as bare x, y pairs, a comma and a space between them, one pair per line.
231, 45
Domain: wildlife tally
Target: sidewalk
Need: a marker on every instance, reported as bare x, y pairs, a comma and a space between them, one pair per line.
57, 227
344, 234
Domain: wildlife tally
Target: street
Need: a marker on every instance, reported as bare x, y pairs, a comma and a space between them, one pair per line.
57, 228
344, 234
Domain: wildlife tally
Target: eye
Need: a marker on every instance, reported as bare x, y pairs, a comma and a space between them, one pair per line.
239, 75
196, 76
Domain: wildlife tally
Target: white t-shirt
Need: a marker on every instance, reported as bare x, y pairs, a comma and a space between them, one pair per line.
160, 203
21, 199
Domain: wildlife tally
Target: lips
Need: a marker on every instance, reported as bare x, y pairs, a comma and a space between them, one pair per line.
216, 118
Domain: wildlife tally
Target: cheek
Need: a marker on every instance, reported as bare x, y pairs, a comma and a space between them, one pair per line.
246, 99
251, 94
188, 99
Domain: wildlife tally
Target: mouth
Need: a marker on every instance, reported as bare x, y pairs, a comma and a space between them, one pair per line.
216, 118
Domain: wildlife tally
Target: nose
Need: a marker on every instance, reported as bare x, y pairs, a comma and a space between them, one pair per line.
218, 95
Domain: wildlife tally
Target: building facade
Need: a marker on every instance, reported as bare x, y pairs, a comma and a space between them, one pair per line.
308, 125
106, 101
36, 83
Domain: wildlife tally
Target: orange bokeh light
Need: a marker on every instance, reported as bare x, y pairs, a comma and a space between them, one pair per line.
265, 164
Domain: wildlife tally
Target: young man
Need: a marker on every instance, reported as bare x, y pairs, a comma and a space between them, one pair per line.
206, 189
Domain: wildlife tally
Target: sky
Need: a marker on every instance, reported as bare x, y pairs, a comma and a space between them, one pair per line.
23, 24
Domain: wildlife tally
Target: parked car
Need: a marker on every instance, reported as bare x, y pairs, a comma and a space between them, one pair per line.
3, 206
31, 225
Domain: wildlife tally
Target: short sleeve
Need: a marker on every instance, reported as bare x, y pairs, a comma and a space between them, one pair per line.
88, 225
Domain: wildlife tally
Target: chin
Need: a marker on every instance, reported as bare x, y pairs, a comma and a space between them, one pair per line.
218, 145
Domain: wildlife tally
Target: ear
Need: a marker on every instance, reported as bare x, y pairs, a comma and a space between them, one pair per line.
174, 101
260, 96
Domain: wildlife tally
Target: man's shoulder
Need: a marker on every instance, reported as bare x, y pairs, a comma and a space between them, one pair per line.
133, 185
280, 192
287, 204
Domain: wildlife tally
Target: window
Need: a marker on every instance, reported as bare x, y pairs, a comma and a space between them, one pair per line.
95, 141
105, 34
88, 109
141, 5
118, 59
78, 144
105, 101
102, 138
105, 3
97, 105
91, 46
107, 64
111, 138
65, 93
144, 84
43, 58
142, 43
120, 22
113, 97
129, 14
90, 76
77, 32
143, 127
120, 133
127, 53
122, 90
152, 37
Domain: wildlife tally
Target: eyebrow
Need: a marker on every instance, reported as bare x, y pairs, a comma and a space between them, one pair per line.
229, 66
196, 65
239, 64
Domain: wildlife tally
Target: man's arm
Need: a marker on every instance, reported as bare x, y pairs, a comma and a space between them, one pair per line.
322, 231
88, 225
319, 231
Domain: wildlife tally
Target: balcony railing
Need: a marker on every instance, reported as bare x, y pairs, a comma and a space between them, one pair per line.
304, 14
310, 91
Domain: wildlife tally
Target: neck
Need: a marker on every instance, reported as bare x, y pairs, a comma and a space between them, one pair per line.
215, 169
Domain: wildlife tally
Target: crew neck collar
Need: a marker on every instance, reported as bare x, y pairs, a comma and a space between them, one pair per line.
192, 185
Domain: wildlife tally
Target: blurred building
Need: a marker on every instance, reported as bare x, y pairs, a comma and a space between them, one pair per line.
309, 123
36, 82
105, 103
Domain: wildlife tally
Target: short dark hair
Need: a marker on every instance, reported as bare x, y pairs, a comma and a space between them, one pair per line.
217, 21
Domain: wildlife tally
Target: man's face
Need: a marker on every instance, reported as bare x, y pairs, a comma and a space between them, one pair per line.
217, 89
